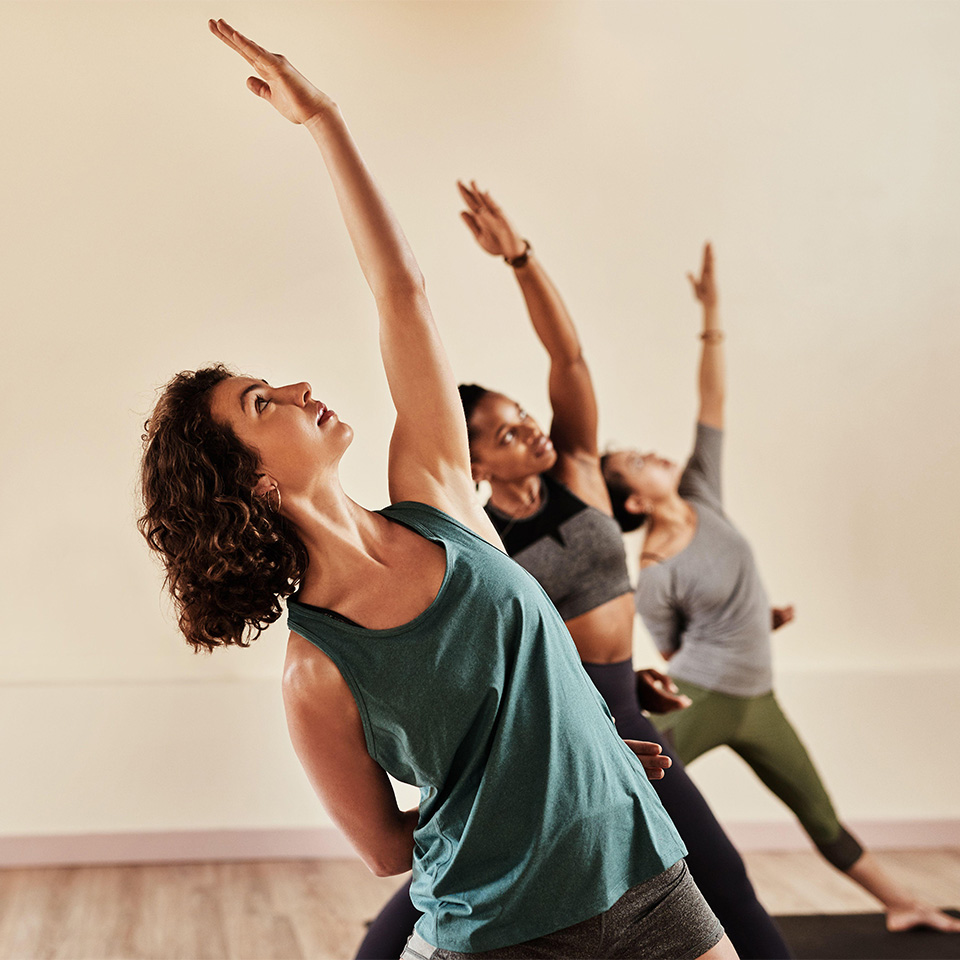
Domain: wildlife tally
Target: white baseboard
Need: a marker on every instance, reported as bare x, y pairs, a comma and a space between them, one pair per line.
873, 834
178, 846
327, 843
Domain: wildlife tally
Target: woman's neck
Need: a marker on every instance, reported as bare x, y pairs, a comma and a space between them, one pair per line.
671, 514
516, 498
342, 539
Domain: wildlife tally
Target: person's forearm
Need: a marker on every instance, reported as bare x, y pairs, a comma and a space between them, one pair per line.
387, 262
547, 312
402, 859
393, 854
712, 373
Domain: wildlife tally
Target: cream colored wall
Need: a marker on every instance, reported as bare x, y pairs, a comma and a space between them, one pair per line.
156, 216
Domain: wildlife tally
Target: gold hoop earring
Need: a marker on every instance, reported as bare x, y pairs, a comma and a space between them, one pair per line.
275, 490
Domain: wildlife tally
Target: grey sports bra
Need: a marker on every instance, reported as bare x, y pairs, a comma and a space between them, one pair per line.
574, 550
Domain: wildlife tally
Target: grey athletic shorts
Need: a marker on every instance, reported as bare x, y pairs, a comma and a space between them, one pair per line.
664, 918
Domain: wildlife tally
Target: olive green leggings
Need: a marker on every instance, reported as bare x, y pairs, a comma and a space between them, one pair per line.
756, 729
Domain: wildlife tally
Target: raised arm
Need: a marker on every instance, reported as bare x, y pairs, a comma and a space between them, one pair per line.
572, 397
712, 375
429, 456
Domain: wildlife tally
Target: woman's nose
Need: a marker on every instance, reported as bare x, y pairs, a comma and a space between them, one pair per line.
300, 392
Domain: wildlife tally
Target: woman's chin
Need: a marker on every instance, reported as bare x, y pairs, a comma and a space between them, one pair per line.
540, 464
547, 460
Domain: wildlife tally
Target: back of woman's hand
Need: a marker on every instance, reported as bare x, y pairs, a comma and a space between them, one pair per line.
279, 83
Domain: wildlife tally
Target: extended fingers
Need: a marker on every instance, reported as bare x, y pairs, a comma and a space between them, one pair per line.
469, 197
471, 222
706, 271
222, 30
253, 53
492, 205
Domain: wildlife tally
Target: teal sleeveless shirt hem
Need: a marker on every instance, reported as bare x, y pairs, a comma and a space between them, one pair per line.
534, 814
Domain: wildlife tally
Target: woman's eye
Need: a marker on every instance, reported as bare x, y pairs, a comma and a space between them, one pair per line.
508, 437
260, 403
522, 414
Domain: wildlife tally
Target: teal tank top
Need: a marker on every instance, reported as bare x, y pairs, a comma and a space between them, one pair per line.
534, 814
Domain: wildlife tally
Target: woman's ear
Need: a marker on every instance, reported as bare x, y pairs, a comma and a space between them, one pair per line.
478, 473
265, 483
636, 503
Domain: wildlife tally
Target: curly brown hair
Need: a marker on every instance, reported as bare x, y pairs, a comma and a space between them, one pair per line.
229, 557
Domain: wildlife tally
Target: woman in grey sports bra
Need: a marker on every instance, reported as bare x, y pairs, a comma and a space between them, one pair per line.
417, 647
701, 598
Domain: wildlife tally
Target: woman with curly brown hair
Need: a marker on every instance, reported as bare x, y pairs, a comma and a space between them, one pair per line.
417, 647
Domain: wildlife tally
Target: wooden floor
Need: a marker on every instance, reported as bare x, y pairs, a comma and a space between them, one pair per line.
316, 909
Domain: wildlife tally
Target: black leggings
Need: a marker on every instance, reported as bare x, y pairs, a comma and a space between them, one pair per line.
714, 863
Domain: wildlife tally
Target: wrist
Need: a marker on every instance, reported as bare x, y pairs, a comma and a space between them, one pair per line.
520, 260
328, 113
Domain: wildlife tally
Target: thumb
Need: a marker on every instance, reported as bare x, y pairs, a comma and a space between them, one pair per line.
257, 86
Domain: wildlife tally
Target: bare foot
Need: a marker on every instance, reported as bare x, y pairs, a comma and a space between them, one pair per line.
920, 915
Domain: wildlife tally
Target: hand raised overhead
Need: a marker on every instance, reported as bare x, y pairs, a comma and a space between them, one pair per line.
279, 83
705, 288
488, 224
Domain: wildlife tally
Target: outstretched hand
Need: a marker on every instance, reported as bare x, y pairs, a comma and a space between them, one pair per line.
487, 223
657, 693
705, 288
780, 616
651, 756
279, 83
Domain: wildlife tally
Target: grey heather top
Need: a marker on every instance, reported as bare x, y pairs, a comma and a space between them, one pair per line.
573, 549
706, 604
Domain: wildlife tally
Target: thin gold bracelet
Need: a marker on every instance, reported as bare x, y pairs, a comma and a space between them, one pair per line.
712, 336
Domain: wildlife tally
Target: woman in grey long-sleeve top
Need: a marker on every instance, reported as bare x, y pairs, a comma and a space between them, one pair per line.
701, 598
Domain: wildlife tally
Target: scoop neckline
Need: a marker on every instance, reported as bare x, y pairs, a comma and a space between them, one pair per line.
420, 618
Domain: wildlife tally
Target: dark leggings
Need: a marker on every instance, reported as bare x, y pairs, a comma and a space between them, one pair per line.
714, 863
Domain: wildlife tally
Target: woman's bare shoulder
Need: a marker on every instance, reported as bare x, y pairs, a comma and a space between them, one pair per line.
311, 678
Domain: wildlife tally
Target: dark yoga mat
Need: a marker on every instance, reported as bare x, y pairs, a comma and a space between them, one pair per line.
862, 936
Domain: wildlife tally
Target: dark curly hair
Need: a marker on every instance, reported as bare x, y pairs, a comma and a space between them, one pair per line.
619, 494
228, 556
470, 395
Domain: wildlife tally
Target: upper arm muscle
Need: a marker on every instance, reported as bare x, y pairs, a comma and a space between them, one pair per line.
429, 442
574, 403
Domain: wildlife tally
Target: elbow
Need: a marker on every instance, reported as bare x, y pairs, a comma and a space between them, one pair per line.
388, 865
402, 286
392, 856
